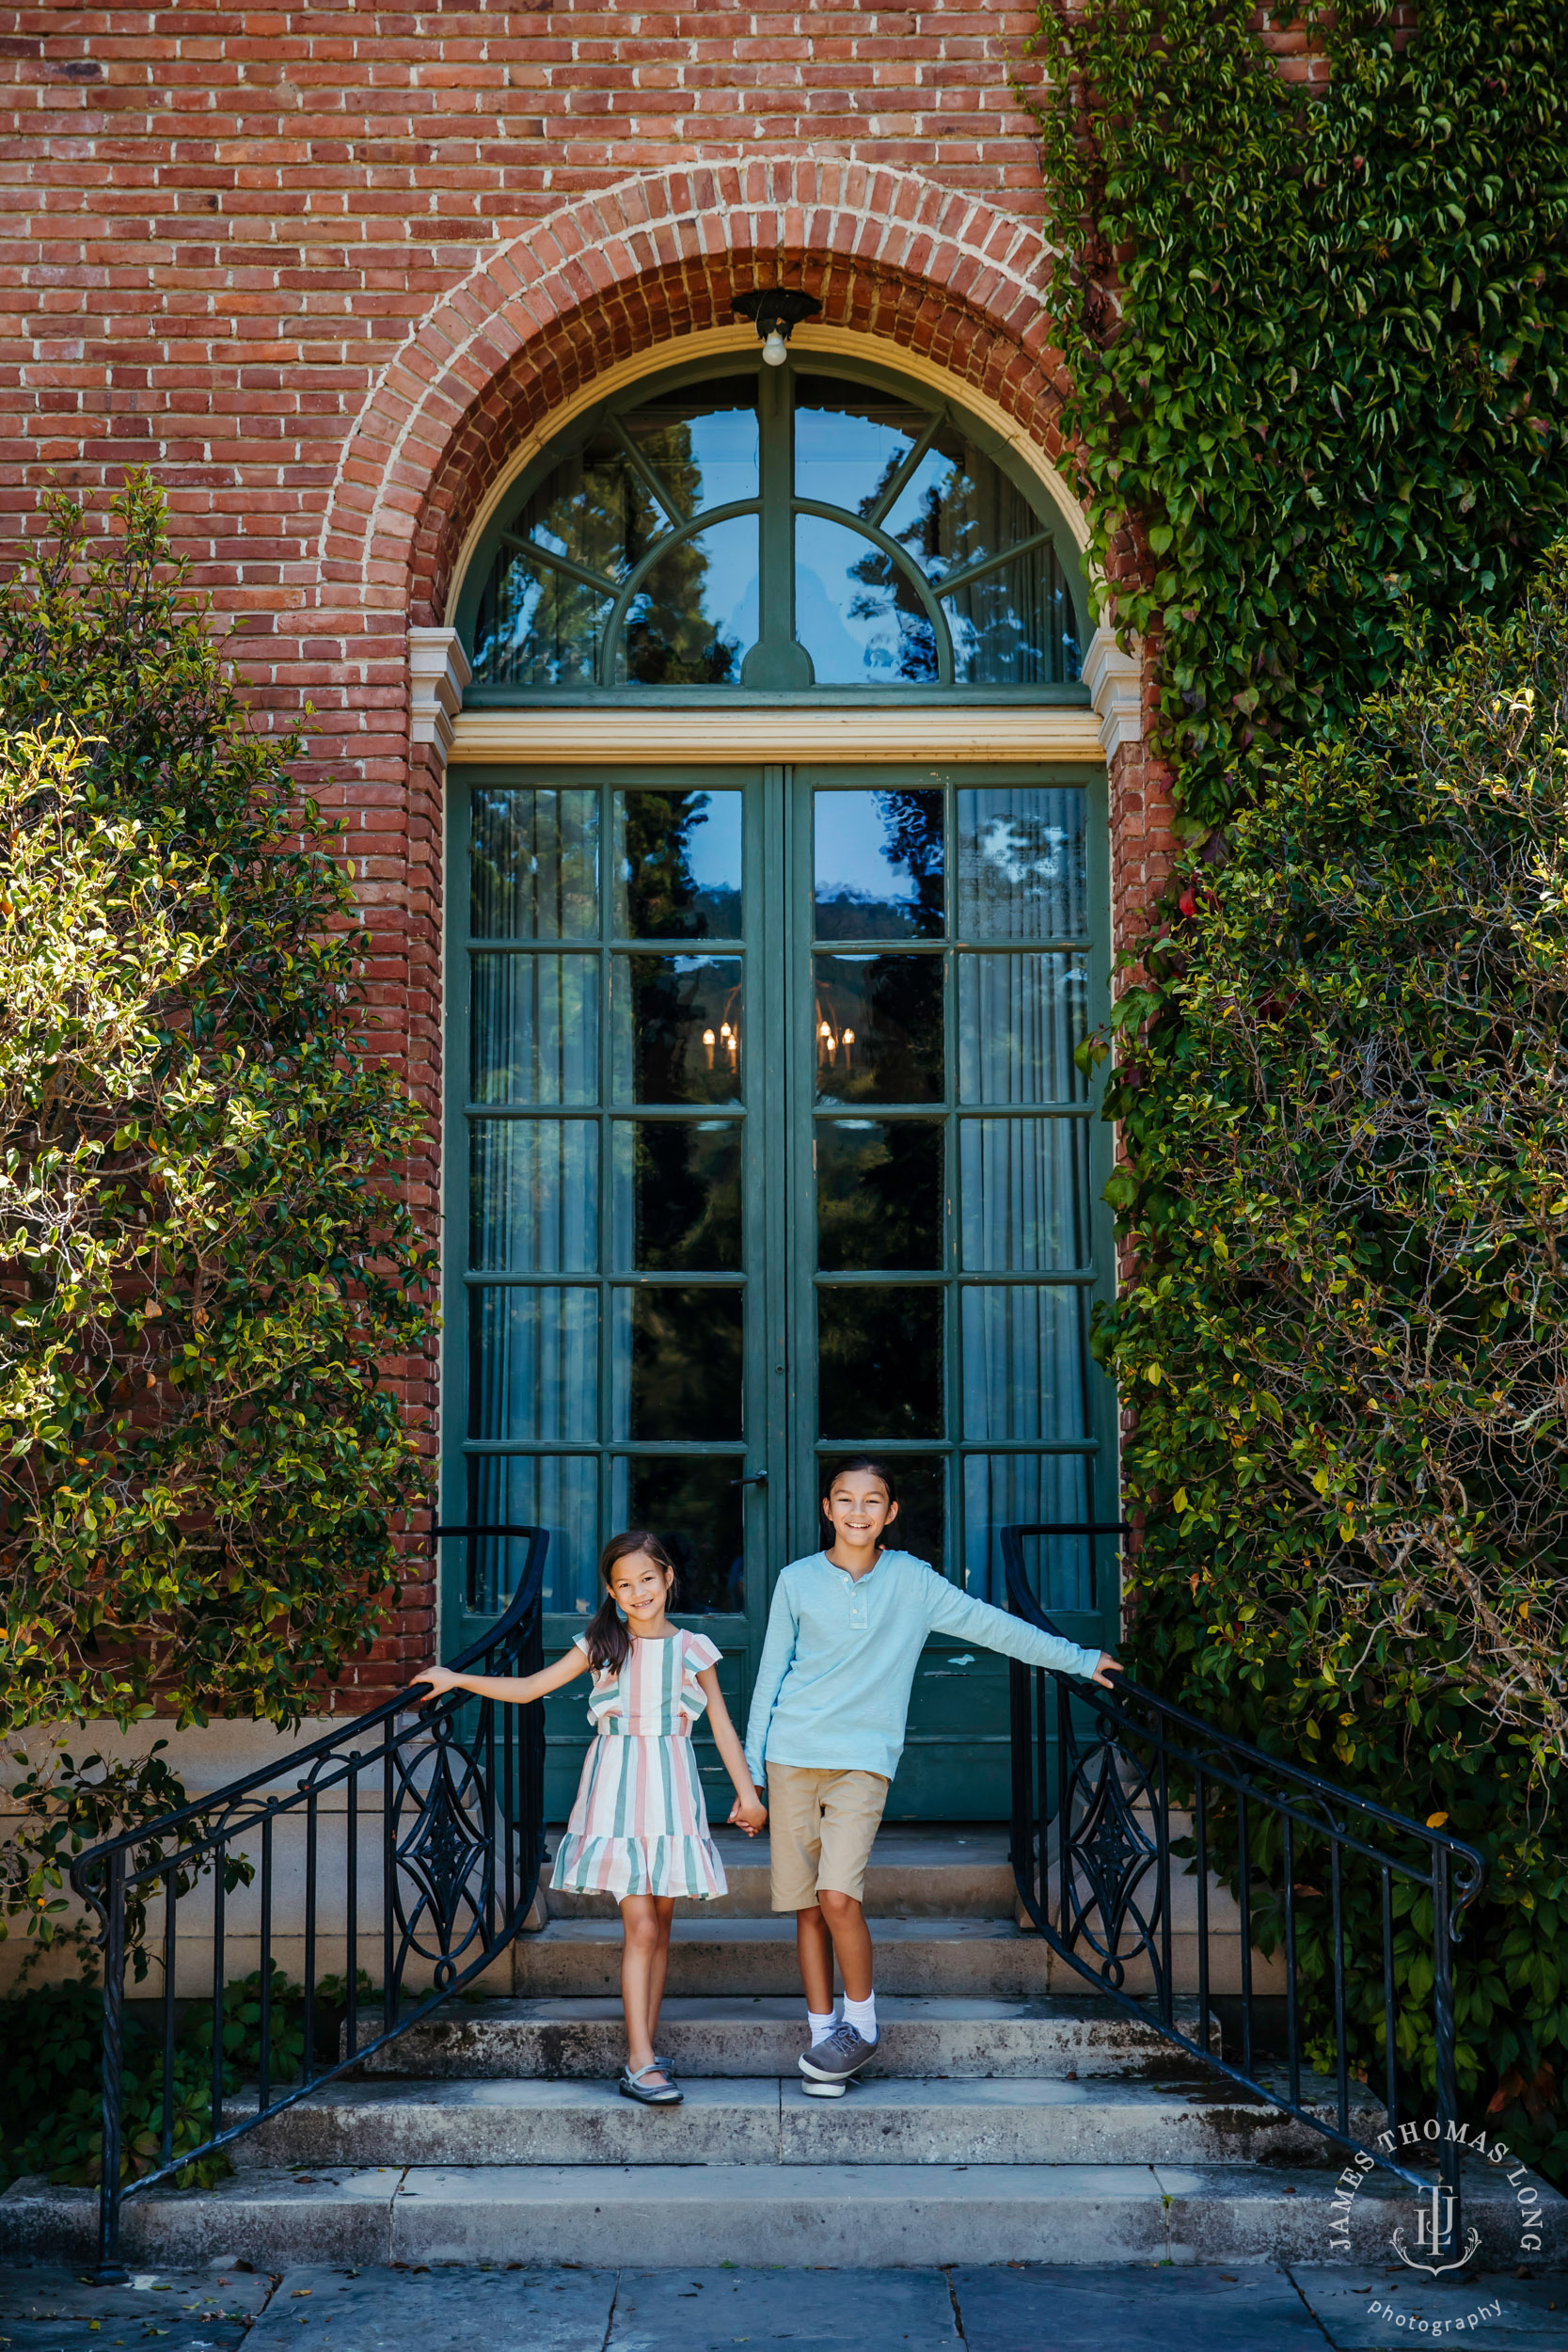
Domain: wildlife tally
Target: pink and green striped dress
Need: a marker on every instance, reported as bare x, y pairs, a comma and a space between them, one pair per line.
640, 1825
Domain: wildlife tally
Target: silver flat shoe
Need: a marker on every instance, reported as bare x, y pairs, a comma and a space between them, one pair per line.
635, 2087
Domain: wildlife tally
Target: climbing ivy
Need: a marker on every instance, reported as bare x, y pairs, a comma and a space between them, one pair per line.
1316, 336
1318, 345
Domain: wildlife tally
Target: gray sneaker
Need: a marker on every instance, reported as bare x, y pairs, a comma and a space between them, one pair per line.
840, 2057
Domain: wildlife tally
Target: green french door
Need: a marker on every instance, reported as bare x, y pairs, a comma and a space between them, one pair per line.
768, 1143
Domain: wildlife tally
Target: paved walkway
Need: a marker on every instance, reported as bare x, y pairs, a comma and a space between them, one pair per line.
1023, 2308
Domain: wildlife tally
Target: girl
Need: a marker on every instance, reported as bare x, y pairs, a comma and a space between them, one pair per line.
638, 1829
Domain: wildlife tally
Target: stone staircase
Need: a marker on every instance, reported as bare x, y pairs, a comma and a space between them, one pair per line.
1009, 2116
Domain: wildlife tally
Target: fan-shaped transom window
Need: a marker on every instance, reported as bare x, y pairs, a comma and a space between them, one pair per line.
789, 528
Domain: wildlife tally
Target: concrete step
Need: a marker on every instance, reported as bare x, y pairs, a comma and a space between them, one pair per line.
883, 2120
583, 2038
757, 1956
664, 2216
918, 1870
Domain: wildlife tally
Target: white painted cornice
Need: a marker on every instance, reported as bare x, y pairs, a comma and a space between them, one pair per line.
437, 672
799, 734
1114, 680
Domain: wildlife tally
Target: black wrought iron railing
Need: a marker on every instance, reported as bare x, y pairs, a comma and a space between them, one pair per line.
1118, 1794
434, 1823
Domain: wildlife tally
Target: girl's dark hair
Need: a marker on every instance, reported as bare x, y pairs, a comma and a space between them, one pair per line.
609, 1643
869, 1467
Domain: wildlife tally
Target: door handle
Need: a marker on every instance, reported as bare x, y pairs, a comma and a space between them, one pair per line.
759, 1478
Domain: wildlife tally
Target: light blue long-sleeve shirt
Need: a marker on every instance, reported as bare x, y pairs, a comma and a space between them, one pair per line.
833, 1681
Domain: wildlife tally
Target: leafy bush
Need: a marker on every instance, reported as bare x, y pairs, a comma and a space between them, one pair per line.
51, 2081
1343, 1089
206, 1257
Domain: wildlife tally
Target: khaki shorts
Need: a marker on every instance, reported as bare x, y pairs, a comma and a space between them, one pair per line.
821, 1826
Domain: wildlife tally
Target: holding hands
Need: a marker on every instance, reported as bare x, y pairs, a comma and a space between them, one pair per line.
750, 1814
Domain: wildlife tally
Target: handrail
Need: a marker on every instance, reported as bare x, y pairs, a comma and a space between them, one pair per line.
460, 1829
1114, 1847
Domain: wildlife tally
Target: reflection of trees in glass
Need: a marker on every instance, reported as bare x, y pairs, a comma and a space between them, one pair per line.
670, 638
686, 1364
686, 1189
662, 895
878, 1195
537, 628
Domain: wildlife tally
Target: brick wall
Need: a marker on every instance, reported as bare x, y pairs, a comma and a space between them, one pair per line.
319, 268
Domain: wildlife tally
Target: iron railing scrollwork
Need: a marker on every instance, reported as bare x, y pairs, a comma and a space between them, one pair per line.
1100, 1782
437, 1820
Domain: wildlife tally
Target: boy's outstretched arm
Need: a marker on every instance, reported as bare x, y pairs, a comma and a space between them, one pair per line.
773, 1666
976, 1621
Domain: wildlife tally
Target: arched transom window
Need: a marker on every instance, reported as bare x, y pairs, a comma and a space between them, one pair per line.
790, 530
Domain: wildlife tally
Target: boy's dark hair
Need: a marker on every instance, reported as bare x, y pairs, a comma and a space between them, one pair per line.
868, 1465
609, 1643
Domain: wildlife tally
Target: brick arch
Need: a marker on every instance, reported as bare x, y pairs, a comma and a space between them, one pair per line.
888, 253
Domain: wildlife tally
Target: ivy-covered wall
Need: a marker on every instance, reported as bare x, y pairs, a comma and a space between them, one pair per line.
1317, 334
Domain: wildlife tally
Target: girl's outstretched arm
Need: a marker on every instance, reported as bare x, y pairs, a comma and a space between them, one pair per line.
514, 1689
747, 1811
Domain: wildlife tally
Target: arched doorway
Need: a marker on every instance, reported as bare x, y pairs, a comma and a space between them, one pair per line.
766, 1136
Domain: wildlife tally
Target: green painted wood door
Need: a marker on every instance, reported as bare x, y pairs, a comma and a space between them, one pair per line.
767, 1141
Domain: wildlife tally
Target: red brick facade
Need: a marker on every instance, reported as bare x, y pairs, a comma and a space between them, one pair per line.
321, 269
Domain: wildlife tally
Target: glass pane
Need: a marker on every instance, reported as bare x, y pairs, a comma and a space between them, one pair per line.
677, 1026
678, 865
880, 859
694, 1508
534, 865
1021, 1020
878, 1195
1023, 1195
1021, 864
691, 621
878, 1025
556, 1492
593, 508
1015, 625
701, 442
857, 613
536, 627
534, 1364
676, 1365
879, 1362
533, 1195
1014, 1489
1025, 1359
957, 507
850, 443
533, 1028
677, 1196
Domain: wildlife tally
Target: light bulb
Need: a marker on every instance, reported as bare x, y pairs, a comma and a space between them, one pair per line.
774, 350
849, 1037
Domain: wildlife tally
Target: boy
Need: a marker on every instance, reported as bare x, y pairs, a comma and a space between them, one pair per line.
827, 1722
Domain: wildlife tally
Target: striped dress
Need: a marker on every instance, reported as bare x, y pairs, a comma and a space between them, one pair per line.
640, 1825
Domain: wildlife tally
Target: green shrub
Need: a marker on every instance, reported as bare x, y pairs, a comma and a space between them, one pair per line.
1344, 1090
202, 1463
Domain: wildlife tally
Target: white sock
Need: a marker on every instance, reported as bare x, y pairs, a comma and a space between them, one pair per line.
861, 2015
820, 2026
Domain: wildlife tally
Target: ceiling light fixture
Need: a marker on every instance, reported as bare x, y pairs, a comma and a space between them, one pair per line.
776, 311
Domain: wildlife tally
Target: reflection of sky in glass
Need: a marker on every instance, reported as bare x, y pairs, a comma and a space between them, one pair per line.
856, 631
720, 449
724, 448
843, 460
712, 846
854, 858
700, 593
